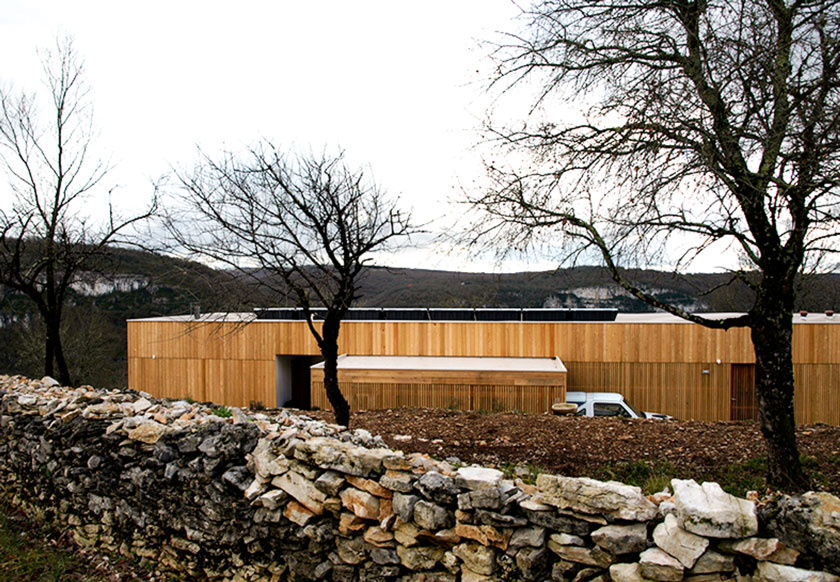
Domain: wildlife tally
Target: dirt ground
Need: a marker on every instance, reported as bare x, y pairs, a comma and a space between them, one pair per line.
628, 450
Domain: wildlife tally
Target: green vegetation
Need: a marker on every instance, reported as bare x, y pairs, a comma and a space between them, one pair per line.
223, 412
650, 477
737, 478
750, 475
527, 473
27, 556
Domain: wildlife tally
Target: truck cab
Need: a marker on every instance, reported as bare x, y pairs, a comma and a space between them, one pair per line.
607, 404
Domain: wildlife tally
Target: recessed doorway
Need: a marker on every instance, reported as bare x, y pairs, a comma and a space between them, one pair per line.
292, 380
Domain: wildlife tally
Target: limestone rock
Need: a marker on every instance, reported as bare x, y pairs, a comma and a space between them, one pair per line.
560, 569
626, 573
480, 559
622, 539
708, 510
767, 550
419, 558
384, 555
329, 482
351, 551
148, 432
586, 495
446, 537
406, 534
484, 534
437, 487
431, 516
554, 521
711, 562
809, 523
657, 565
371, 487
451, 562
272, 499
527, 537
302, 490
468, 575
432, 576
349, 523
564, 539
298, 513
341, 456
257, 487
486, 498
361, 503
141, 405
770, 572
378, 537
684, 546
533, 562
403, 505
499, 519
581, 555
475, 478
397, 481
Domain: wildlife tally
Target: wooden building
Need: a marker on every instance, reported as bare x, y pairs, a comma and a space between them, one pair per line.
659, 362
461, 383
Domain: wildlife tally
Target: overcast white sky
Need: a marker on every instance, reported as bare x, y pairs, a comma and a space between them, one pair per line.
400, 86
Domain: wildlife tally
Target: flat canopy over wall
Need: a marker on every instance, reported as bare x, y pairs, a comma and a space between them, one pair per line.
447, 370
346, 362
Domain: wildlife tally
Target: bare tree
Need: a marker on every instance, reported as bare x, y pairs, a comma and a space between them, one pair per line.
302, 227
45, 238
708, 125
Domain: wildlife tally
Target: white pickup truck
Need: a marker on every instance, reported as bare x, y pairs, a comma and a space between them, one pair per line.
607, 404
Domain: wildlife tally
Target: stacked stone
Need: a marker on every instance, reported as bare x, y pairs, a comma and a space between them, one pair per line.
256, 496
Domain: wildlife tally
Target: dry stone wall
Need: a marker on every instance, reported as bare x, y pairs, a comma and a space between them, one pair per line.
261, 496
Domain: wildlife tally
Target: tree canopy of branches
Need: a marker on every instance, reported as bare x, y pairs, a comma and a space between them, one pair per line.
303, 227
670, 130
45, 239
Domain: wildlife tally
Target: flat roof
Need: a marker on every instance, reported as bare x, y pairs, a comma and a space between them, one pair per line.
656, 317
448, 363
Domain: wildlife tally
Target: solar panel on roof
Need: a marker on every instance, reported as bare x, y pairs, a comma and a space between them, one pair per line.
446, 314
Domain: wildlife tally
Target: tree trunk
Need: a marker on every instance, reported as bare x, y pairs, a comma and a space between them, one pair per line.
772, 333
329, 349
49, 359
55, 351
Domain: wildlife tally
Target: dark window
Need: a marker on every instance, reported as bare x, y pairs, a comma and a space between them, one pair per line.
605, 409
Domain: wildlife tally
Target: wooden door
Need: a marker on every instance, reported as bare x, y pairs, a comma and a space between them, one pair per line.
744, 405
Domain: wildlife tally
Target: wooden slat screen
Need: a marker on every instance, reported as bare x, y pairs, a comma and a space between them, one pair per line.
487, 398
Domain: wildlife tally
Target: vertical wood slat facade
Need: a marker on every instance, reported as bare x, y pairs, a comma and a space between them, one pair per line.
484, 390
666, 367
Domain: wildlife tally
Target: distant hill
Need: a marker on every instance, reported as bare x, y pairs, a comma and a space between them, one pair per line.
574, 287
134, 284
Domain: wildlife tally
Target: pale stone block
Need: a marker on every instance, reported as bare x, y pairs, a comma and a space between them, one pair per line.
708, 510
684, 546
589, 496
622, 539
770, 572
658, 565
361, 503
